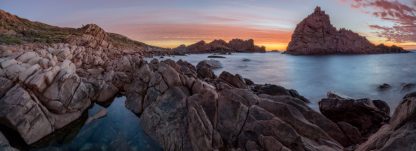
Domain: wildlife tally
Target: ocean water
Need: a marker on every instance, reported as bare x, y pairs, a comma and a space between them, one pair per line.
356, 76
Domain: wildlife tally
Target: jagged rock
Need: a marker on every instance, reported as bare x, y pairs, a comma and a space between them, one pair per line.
220, 46
316, 36
195, 115
364, 114
399, 133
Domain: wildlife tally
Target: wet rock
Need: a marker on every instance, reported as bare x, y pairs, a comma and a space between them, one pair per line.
364, 114
216, 56
245, 60
408, 86
100, 114
384, 86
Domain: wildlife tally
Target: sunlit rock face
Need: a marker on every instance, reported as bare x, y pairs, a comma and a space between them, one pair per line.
315, 35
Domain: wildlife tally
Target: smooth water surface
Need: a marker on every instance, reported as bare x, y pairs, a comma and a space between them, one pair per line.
119, 130
357, 76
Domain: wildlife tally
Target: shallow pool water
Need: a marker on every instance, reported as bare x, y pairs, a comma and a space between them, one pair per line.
119, 130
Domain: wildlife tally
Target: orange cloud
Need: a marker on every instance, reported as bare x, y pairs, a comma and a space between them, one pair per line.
173, 35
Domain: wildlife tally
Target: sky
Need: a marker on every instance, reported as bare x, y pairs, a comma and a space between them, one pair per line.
169, 23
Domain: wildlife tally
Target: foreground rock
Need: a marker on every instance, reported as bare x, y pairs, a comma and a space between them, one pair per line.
399, 133
357, 118
220, 46
316, 36
183, 112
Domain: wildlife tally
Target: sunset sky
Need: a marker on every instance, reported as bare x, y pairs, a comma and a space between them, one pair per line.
169, 23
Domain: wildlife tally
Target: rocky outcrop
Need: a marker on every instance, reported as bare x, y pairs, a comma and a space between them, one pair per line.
316, 36
399, 133
220, 46
357, 118
183, 112
40, 94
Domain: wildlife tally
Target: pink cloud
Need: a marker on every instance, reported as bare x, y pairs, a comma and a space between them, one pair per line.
402, 15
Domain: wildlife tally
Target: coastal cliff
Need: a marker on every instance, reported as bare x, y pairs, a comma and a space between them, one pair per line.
315, 35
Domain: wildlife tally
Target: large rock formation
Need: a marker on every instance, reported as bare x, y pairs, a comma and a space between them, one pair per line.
220, 46
183, 112
316, 36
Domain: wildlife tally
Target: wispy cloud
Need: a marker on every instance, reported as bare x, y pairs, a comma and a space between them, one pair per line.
401, 14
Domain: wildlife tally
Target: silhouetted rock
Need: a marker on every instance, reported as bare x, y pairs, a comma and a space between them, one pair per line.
220, 46
316, 36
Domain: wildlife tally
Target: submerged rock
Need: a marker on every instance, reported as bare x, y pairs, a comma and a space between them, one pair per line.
408, 86
384, 86
216, 56
100, 114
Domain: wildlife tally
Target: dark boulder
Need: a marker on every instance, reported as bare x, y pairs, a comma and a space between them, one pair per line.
364, 114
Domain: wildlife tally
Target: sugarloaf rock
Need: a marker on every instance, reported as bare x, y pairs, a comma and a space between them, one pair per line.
315, 35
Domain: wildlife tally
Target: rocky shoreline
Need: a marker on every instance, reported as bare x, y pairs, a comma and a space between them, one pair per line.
181, 106
47, 86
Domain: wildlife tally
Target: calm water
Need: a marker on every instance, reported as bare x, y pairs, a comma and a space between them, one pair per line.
356, 76
119, 130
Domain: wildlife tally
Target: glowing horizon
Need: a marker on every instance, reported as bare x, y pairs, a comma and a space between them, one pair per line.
169, 24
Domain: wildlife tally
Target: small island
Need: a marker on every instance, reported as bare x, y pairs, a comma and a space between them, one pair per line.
315, 35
